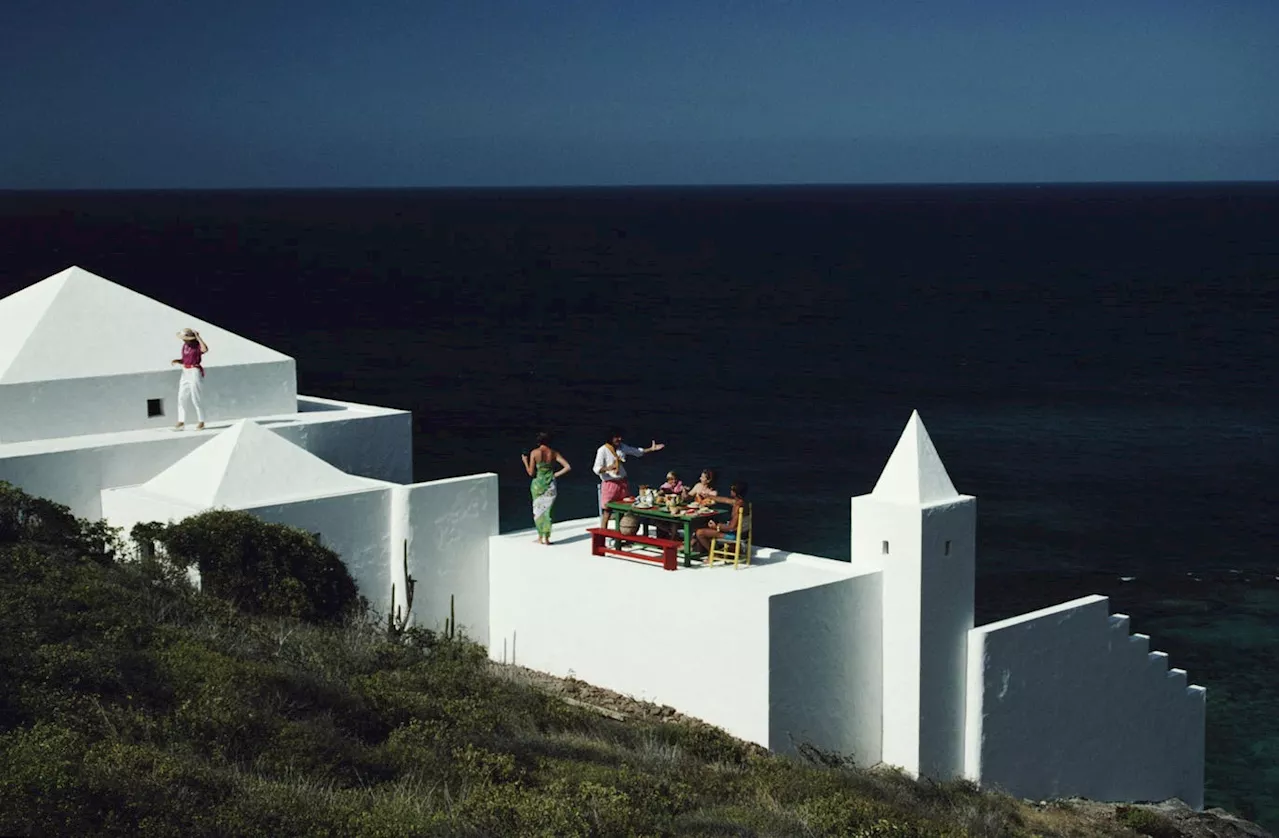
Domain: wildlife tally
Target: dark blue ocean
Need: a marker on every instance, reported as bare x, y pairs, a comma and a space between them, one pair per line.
1097, 364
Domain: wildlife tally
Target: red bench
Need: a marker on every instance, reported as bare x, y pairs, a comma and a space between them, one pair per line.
669, 547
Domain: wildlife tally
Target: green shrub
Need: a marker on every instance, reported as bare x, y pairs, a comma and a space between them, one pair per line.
144, 790
25, 518
40, 781
1146, 822
710, 744
263, 568
512, 809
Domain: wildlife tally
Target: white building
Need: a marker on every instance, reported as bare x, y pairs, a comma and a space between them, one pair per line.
877, 657
86, 419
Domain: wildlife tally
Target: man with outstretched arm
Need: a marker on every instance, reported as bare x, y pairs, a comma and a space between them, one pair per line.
609, 464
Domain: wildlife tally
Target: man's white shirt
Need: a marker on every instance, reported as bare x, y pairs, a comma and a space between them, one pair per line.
605, 461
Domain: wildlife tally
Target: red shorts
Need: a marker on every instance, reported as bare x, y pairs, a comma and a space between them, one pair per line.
612, 490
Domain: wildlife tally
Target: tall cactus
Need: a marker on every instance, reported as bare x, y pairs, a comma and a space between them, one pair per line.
397, 622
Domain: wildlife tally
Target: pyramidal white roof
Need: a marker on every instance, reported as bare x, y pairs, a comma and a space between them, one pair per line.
248, 465
915, 473
76, 324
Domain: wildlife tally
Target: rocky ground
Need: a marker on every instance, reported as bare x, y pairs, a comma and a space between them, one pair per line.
1187, 823
1174, 818
597, 699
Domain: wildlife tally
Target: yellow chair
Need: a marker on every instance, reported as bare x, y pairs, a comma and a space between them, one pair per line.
727, 546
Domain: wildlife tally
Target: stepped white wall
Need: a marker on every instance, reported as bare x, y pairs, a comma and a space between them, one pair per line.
1066, 702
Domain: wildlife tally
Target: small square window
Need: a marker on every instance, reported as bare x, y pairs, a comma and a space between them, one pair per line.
884, 547
946, 548
155, 407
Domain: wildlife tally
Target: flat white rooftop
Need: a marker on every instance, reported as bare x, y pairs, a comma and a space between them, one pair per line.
772, 571
312, 410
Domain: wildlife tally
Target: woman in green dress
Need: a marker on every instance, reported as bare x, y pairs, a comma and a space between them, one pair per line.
540, 464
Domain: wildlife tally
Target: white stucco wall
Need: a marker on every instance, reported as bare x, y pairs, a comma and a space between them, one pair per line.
448, 524
365, 441
697, 639
369, 442
947, 549
1065, 702
824, 668
127, 506
356, 526
625, 626
76, 406
76, 476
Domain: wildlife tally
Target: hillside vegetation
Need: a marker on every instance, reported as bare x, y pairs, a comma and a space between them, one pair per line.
131, 704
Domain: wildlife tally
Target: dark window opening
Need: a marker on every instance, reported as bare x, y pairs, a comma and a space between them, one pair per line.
946, 549
155, 407
884, 547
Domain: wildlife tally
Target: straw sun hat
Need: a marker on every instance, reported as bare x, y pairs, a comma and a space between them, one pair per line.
187, 334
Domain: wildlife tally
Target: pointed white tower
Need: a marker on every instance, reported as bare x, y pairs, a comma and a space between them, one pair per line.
921, 532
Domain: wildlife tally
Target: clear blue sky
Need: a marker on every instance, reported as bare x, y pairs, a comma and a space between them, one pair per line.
183, 93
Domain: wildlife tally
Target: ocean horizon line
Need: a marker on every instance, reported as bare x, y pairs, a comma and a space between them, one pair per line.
689, 187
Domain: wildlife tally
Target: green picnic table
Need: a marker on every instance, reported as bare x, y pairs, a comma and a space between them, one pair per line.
660, 513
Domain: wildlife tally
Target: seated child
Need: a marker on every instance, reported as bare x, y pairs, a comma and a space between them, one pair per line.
673, 485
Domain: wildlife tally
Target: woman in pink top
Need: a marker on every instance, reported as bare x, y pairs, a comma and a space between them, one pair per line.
193, 350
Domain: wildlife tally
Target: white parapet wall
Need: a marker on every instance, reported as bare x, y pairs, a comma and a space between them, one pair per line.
1066, 702
824, 668
448, 525
38, 409
360, 440
363, 440
740, 649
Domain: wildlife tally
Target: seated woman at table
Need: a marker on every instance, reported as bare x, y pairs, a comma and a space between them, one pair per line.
728, 530
705, 487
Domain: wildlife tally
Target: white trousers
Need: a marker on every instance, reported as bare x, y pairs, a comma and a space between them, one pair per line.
189, 387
